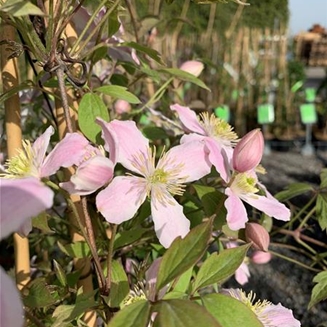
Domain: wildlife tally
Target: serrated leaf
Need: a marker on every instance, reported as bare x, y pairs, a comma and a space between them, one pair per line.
183, 75
41, 295
229, 311
18, 8
321, 211
153, 54
183, 254
319, 292
118, 92
91, 107
183, 313
218, 267
293, 190
135, 314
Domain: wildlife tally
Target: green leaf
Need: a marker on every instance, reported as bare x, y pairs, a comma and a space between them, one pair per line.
319, 292
183, 75
19, 8
60, 273
118, 92
229, 311
323, 178
184, 253
41, 295
293, 190
218, 267
41, 222
119, 285
28, 85
135, 314
153, 54
154, 133
183, 282
91, 107
76, 250
128, 236
183, 313
321, 211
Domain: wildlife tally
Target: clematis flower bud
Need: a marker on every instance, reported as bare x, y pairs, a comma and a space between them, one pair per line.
258, 235
248, 151
193, 67
260, 257
122, 106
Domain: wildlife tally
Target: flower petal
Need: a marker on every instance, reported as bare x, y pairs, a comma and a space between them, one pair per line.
169, 219
270, 206
110, 139
219, 157
236, 212
188, 119
69, 151
90, 176
40, 147
11, 307
120, 200
278, 316
193, 156
131, 142
242, 274
20, 200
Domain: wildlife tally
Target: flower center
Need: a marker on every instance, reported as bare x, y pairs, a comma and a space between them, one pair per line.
218, 129
244, 184
21, 165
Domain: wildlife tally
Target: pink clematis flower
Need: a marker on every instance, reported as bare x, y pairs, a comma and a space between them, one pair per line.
243, 187
270, 315
160, 182
217, 134
32, 159
20, 199
193, 67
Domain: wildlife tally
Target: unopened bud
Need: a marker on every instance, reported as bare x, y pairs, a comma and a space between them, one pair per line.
258, 236
193, 67
122, 106
260, 257
248, 151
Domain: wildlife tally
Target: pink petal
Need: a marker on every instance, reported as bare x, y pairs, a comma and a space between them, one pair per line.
219, 158
90, 176
121, 199
131, 142
270, 206
110, 139
278, 316
20, 200
236, 212
242, 274
69, 151
260, 257
169, 219
11, 307
40, 147
188, 119
193, 156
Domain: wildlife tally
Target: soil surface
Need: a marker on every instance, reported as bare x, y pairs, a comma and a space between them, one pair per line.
280, 280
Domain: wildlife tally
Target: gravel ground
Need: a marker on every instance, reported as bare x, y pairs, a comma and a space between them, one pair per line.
280, 280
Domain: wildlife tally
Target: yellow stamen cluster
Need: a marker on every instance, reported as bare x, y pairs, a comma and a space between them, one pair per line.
20, 165
218, 128
245, 184
135, 295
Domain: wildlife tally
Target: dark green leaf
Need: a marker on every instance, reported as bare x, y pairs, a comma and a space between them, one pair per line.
321, 211
136, 314
293, 190
323, 178
118, 92
319, 292
184, 253
183, 313
218, 267
154, 133
183, 75
91, 107
229, 311
128, 236
41, 222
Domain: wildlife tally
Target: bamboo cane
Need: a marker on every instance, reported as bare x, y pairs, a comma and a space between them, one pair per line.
10, 76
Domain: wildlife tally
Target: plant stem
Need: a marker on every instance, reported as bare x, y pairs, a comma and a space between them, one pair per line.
110, 254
